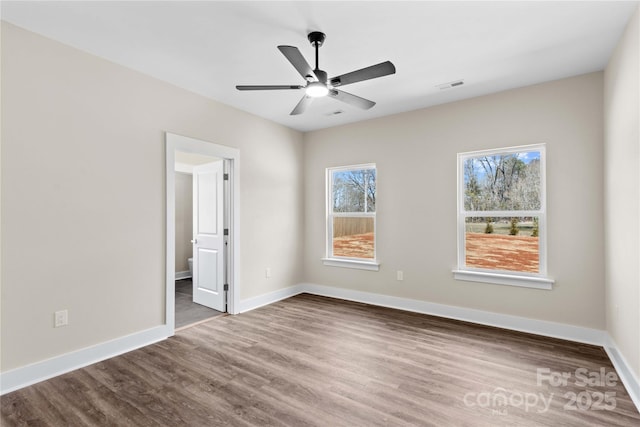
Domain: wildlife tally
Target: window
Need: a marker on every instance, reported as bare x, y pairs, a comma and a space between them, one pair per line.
351, 217
502, 217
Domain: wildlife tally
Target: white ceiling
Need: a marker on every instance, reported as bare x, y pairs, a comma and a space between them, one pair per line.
208, 47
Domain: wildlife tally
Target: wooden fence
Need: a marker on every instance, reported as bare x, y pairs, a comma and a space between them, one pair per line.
349, 226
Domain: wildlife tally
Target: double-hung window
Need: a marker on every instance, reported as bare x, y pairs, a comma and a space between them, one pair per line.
502, 217
351, 217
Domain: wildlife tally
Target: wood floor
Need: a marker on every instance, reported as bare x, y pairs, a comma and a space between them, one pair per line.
315, 361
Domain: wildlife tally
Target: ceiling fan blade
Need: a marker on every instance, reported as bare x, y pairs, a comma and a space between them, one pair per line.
350, 99
302, 105
297, 60
372, 72
271, 87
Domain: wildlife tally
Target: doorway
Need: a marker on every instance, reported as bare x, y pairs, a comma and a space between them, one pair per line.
200, 193
215, 176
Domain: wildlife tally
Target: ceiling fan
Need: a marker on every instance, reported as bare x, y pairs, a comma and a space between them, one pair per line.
317, 83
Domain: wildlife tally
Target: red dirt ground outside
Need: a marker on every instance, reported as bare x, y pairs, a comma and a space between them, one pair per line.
502, 252
354, 246
490, 251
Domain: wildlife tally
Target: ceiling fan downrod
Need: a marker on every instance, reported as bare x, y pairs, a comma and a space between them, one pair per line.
316, 38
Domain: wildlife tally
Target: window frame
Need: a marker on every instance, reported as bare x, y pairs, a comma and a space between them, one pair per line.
330, 259
537, 280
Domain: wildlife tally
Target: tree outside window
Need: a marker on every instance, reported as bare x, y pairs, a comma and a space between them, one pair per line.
501, 216
351, 212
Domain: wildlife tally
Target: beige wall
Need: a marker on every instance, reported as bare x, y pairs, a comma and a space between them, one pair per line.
622, 194
83, 197
184, 220
415, 153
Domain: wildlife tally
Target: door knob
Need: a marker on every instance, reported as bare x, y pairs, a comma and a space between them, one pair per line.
194, 241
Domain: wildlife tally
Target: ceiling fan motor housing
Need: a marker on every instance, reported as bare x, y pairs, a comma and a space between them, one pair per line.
316, 38
321, 75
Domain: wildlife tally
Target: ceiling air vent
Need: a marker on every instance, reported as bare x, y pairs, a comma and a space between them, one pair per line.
449, 85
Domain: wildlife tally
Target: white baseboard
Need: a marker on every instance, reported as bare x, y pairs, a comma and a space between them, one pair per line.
183, 275
516, 323
522, 324
269, 298
40, 371
626, 374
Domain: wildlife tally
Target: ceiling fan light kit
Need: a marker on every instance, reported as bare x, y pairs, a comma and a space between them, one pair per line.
318, 85
316, 90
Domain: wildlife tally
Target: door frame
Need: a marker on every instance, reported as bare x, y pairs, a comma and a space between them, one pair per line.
173, 143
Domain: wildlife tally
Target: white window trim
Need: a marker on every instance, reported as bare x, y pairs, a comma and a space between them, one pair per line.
503, 279
337, 261
511, 278
352, 263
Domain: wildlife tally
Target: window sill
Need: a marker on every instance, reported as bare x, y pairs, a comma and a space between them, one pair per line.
352, 263
504, 279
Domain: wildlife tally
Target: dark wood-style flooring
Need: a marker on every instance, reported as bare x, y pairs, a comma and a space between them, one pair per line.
187, 311
315, 361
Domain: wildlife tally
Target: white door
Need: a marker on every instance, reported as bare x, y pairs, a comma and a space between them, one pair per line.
208, 235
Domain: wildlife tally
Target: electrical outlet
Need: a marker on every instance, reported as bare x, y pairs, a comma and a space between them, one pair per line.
61, 318
400, 275
267, 272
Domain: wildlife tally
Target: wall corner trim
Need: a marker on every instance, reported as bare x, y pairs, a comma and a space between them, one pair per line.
270, 297
40, 371
623, 368
515, 323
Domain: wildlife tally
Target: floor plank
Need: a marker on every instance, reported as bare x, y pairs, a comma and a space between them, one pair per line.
316, 361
